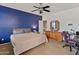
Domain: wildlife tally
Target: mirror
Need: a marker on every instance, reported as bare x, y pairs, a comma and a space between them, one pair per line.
54, 25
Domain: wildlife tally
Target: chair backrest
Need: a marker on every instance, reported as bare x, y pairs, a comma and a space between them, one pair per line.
66, 36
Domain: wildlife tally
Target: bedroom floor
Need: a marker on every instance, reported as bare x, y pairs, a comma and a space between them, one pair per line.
6, 49
51, 48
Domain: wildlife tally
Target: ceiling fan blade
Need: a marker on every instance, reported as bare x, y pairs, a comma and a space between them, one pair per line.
46, 10
35, 10
35, 6
46, 7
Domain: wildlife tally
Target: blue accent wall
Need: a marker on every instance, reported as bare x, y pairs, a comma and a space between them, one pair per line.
12, 18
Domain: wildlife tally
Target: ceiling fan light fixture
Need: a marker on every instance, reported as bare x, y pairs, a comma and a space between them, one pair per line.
41, 8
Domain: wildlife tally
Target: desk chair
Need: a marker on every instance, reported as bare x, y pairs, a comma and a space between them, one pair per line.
68, 41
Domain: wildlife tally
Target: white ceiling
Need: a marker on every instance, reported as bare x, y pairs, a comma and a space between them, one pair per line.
54, 7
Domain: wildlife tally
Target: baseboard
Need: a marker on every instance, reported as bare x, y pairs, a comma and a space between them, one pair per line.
5, 43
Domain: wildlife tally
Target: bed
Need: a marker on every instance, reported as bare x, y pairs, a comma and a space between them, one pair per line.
25, 41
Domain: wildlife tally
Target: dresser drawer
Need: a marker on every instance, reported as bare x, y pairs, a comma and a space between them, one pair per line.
54, 35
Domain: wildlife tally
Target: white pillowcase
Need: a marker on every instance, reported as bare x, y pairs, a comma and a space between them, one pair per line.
18, 31
27, 30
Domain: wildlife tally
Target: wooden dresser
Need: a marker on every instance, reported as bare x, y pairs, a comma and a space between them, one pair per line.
54, 35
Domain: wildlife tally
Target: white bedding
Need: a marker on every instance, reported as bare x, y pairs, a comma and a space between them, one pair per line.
26, 41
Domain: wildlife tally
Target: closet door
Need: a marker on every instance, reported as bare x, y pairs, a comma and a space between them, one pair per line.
44, 25
41, 26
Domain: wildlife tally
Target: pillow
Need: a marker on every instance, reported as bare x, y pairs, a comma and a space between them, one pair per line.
27, 30
18, 31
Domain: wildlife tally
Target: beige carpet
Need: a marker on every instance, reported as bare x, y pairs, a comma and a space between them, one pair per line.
50, 48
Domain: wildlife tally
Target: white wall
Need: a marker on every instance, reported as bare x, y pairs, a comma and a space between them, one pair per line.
70, 16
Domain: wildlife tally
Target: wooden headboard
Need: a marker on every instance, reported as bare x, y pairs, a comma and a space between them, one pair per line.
23, 28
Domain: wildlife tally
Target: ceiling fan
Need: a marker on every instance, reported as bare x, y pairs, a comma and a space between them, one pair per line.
41, 8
